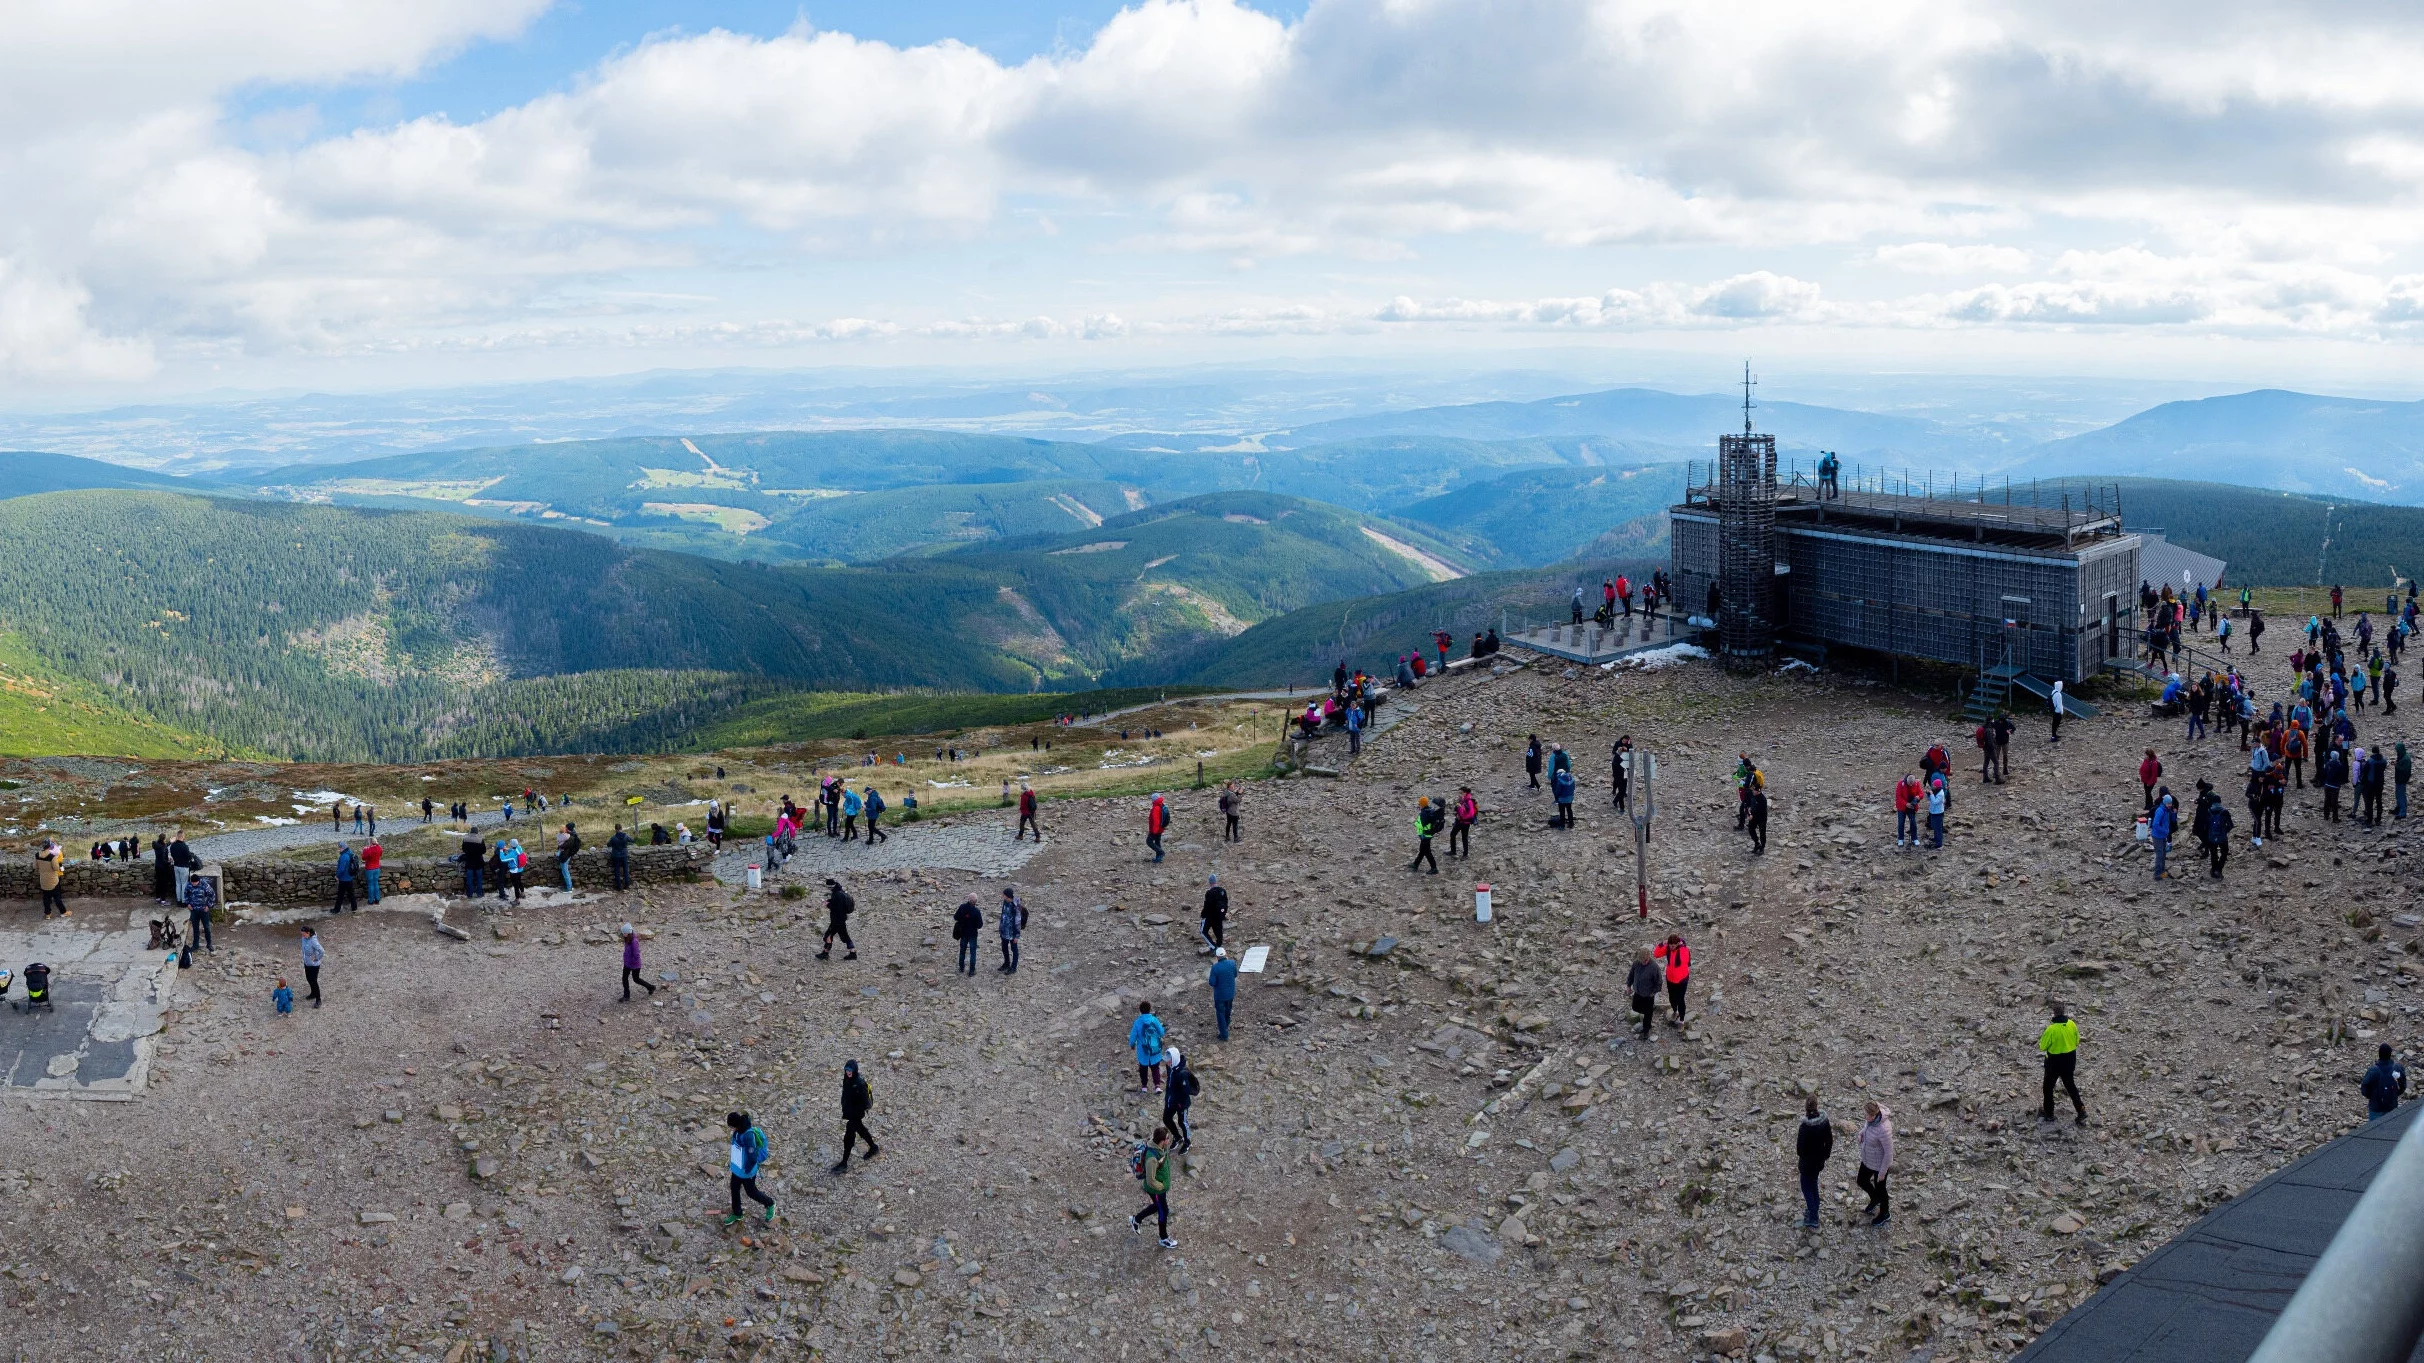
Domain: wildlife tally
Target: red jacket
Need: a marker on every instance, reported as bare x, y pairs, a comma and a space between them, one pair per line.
1906, 795
2149, 772
1158, 819
1678, 961
370, 856
1624, 586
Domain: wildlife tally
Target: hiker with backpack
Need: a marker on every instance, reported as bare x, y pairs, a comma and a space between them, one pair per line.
1145, 1039
1178, 1097
1012, 921
1152, 1168
748, 1156
1426, 827
1157, 822
874, 804
965, 923
1026, 815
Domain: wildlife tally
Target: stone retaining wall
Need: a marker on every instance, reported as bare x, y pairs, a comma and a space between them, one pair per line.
287, 883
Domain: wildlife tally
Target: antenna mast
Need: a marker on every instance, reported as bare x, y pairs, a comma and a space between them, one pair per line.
1747, 381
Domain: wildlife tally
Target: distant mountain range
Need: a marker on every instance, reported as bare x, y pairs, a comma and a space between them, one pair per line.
2292, 442
331, 633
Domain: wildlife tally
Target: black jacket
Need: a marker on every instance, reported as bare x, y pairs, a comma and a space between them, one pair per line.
2382, 1086
838, 903
1645, 979
966, 921
1815, 1142
856, 1097
1216, 904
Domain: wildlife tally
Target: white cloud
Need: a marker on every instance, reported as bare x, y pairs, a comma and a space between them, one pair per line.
2238, 166
44, 335
1935, 257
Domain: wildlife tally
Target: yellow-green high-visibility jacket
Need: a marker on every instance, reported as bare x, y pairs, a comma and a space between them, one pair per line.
2060, 1038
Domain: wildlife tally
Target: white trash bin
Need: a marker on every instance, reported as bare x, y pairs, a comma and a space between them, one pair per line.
1481, 903
755, 879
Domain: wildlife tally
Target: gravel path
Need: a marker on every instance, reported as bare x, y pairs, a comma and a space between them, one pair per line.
975, 843
245, 842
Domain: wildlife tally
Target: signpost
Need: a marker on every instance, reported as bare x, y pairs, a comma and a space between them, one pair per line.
1641, 768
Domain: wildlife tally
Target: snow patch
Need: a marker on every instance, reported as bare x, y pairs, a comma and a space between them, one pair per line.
1670, 656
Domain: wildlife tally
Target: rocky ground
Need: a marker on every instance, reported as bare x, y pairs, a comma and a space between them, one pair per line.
1429, 1138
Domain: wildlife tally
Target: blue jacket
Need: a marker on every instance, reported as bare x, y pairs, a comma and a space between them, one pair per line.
1145, 1036
748, 1152
851, 804
345, 863
1224, 981
2160, 826
1561, 785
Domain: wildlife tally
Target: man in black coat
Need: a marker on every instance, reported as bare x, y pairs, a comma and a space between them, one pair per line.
838, 905
1813, 1143
964, 925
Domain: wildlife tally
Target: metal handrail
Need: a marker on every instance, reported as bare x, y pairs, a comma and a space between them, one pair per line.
2360, 1303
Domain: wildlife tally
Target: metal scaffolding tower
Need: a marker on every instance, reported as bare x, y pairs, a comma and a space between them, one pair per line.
1746, 542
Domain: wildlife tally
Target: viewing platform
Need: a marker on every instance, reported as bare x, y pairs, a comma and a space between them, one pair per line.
1592, 643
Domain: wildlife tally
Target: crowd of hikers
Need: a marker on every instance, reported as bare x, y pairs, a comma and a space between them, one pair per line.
2312, 729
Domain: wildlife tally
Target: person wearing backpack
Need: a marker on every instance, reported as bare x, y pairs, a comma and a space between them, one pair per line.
857, 1101
1152, 1167
1463, 815
1426, 827
1011, 921
875, 810
2383, 1085
1561, 790
2218, 824
1157, 822
1026, 815
1145, 1039
965, 922
346, 862
748, 1156
1180, 1096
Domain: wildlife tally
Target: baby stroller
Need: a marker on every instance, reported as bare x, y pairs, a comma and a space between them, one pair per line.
166, 935
37, 989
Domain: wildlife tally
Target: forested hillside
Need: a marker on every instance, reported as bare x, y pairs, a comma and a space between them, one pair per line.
1536, 517
340, 634
1302, 646
2281, 539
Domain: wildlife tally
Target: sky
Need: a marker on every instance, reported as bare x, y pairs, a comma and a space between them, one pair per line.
372, 193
